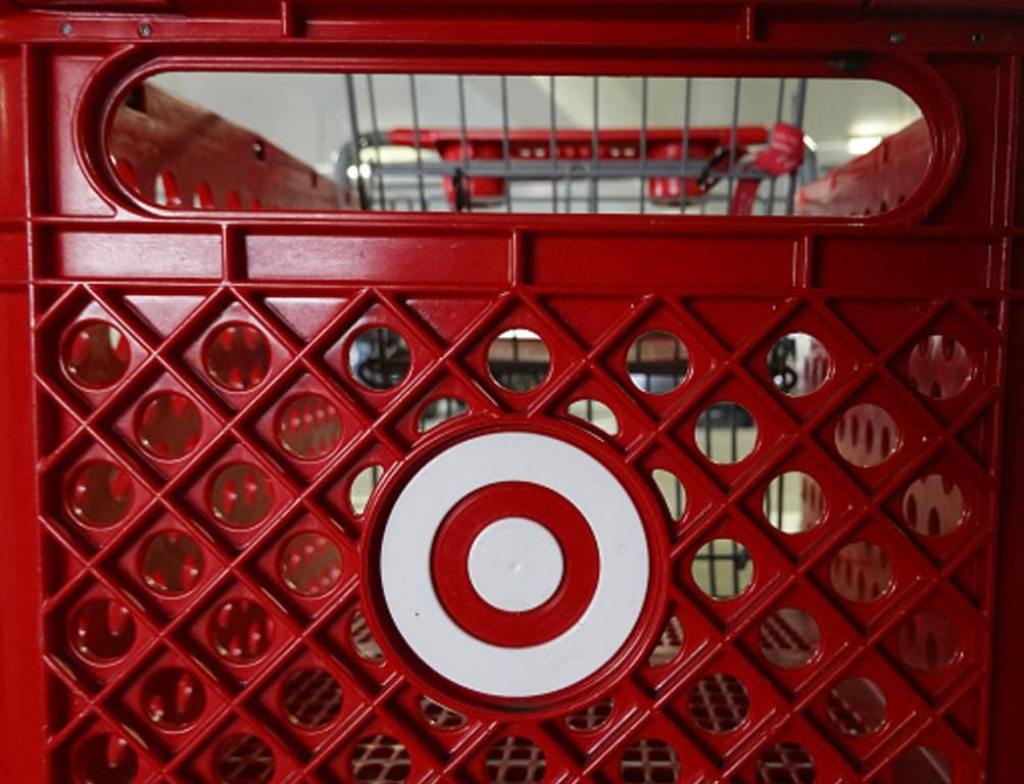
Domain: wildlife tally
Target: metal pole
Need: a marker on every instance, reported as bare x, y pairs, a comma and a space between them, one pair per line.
376, 138
416, 142
353, 118
799, 101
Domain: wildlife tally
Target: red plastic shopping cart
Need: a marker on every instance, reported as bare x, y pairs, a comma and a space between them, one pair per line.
503, 452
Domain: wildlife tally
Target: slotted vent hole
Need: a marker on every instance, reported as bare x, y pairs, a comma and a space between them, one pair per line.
173, 698
790, 638
668, 644
380, 759
244, 759
379, 359
311, 698
793, 502
363, 640
722, 569
439, 716
672, 491
439, 411
591, 718
515, 759
719, 703
105, 759
798, 364
362, 487
595, 413
657, 362
856, 706
786, 763
518, 360
726, 433
650, 761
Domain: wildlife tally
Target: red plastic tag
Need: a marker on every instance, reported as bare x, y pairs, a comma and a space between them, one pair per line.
783, 155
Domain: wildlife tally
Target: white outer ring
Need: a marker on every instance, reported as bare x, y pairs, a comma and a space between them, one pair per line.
514, 456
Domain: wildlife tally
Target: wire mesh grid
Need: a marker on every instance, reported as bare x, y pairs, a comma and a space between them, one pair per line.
611, 160
650, 761
380, 759
719, 703
312, 698
515, 760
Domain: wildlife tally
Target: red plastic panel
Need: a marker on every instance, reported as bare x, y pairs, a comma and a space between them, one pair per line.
874, 182
198, 159
196, 513
206, 455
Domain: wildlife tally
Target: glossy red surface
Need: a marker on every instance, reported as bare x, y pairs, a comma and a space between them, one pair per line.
257, 640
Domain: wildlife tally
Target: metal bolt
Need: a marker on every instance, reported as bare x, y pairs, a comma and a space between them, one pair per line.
978, 38
145, 29
66, 28
897, 37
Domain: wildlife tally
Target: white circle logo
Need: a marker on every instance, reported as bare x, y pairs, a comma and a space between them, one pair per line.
514, 564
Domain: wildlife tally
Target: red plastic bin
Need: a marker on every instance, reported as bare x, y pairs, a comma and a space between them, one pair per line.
192, 591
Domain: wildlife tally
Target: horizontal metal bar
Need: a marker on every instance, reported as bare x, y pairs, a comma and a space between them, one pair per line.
577, 168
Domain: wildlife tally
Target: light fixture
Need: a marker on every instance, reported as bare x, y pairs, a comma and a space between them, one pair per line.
859, 145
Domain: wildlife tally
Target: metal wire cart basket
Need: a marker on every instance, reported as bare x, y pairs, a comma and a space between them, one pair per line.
585, 418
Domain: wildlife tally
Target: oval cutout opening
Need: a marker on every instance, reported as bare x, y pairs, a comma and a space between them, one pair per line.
436, 142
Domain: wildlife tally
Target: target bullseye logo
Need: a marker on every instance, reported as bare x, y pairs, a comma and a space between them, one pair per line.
514, 564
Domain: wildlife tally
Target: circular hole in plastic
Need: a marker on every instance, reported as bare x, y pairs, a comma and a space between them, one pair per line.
100, 494
668, 644
939, 367
243, 759
240, 495
173, 698
515, 759
169, 426
923, 765
719, 703
309, 427
928, 642
672, 492
592, 717
363, 484
518, 360
311, 698
237, 356
786, 763
439, 411
105, 759
380, 759
790, 638
379, 358
725, 433
241, 631
866, 435
649, 760
102, 630
439, 716
311, 564
793, 502
363, 640
657, 362
722, 569
798, 364
596, 413
933, 506
861, 572
96, 355
856, 706
172, 563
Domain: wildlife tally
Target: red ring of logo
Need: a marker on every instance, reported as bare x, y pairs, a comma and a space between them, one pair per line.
449, 561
